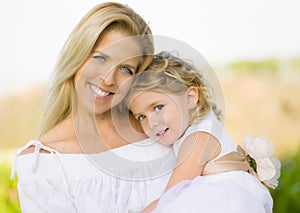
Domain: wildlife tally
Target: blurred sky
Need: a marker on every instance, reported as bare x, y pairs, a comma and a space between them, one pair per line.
33, 31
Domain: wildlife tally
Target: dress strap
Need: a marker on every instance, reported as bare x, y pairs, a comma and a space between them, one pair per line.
38, 146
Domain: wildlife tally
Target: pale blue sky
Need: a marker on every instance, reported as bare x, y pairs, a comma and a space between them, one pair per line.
33, 31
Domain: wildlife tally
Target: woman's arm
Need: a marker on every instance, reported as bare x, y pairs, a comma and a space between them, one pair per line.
194, 153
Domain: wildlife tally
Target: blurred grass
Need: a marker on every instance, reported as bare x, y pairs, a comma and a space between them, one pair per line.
9, 202
264, 106
287, 196
268, 65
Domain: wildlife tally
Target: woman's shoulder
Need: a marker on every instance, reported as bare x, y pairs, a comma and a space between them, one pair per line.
61, 139
62, 147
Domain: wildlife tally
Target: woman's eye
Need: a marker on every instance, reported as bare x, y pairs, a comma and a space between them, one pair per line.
158, 107
141, 117
99, 58
127, 70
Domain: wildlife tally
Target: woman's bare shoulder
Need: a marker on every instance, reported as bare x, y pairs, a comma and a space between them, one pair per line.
60, 138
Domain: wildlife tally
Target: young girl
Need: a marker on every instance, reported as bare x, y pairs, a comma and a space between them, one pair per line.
172, 103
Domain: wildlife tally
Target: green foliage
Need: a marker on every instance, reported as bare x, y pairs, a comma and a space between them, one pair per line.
269, 66
8, 191
287, 195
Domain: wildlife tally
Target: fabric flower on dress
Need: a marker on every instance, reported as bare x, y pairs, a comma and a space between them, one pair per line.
259, 153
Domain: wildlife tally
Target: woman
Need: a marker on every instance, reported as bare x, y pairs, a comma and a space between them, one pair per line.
83, 160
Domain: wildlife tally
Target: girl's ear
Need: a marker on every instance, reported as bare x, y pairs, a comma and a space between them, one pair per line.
192, 97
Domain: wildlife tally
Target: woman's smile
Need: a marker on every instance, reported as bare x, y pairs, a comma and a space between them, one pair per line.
100, 93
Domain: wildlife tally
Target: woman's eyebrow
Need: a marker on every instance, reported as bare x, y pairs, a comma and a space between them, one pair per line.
130, 66
124, 64
101, 53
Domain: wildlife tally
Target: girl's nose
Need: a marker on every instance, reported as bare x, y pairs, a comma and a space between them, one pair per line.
156, 119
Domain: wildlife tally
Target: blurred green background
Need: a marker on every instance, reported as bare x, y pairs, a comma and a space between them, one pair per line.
262, 98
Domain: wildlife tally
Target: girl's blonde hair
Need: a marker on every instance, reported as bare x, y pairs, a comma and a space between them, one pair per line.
79, 46
169, 74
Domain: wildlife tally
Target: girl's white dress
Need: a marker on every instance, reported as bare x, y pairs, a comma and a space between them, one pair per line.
121, 180
227, 192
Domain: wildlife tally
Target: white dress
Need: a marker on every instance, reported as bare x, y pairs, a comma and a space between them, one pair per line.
227, 192
121, 180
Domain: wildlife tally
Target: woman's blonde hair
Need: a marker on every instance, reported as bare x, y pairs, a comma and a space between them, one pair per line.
77, 49
170, 74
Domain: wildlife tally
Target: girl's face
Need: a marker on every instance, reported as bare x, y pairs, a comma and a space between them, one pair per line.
164, 117
105, 77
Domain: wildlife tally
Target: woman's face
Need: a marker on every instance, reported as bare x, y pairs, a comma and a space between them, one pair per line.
105, 77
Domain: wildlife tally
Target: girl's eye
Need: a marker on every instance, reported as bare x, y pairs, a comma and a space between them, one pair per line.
158, 107
127, 70
99, 58
141, 117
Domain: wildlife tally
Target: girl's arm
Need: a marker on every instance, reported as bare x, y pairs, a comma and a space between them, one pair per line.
194, 153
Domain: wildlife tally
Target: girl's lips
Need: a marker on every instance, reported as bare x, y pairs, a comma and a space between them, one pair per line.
162, 132
100, 93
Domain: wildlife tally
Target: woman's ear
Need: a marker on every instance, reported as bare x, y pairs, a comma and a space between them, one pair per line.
192, 97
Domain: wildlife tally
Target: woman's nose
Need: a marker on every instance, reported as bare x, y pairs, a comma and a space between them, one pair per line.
109, 77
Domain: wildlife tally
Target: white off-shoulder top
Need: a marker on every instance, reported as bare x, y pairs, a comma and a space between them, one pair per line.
122, 180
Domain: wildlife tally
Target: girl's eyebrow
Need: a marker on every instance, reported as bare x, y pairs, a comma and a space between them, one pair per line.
154, 104
148, 107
